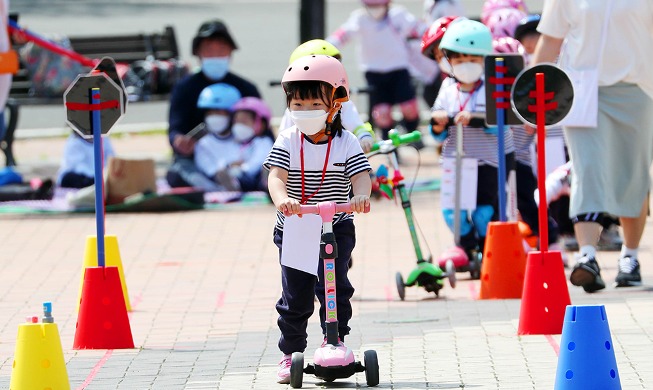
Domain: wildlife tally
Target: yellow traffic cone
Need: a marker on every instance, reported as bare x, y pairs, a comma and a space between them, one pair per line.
112, 259
38, 358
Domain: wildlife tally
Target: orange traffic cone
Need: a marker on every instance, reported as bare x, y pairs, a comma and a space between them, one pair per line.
504, 262
545, 296
102, 322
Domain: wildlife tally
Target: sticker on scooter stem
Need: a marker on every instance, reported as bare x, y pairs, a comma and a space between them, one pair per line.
559, 94
301, 243
469, 183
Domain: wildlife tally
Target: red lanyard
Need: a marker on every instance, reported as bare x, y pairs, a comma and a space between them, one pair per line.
326, 162
462, 105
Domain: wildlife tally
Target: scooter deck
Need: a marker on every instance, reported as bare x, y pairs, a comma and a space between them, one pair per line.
329, 374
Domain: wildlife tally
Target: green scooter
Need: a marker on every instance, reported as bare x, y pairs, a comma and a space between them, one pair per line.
427, 275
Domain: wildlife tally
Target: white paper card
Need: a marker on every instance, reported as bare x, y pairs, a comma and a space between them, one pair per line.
555, 153
468, 184
585, 107
301, 243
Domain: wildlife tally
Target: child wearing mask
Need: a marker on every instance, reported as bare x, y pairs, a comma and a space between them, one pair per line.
385, 58
215, 146
315, 161
253, 139
465, 43
349, 115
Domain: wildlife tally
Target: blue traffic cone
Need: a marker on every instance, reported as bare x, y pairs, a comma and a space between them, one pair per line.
586, 358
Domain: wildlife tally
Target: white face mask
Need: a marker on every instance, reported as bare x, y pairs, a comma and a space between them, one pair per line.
216, 123
309, 122
468, 72
445, 66
242, 132
377, 12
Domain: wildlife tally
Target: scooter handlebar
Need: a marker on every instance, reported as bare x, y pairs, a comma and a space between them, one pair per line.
396, 140
328, 208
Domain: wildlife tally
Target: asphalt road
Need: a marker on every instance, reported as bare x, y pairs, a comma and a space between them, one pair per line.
266, 31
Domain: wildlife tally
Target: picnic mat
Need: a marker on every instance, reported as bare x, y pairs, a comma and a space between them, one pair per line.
162, 201
159, 202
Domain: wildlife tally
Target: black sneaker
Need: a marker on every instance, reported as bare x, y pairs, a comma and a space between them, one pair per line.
628, 275
587, 274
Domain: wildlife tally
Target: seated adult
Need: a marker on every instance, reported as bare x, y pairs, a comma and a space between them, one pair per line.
213, 45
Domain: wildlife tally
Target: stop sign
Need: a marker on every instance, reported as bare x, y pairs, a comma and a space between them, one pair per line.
79, 107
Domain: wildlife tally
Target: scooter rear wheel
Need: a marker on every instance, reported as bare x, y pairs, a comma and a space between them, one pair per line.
450, 269
371, 363
401, 287
297, 370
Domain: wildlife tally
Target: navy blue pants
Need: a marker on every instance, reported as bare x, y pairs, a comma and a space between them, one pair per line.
299, 288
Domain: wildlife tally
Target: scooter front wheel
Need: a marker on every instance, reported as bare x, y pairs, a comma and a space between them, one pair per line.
450, 269
297, 370
401, 287
371, 363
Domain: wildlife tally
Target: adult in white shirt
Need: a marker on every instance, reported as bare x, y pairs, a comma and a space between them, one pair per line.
611, 161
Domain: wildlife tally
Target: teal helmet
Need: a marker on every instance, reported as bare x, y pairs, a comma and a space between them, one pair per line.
218, 96
467, 37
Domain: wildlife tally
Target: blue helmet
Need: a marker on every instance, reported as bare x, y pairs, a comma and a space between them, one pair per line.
218, 96
467, 37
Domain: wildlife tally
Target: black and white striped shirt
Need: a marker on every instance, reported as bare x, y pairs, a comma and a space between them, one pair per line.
346, 159
476, 142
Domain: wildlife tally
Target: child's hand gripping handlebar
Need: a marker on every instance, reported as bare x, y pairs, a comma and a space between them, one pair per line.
396, 140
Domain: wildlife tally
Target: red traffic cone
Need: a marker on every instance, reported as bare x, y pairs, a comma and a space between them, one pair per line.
502, 271
102, 322
545, 296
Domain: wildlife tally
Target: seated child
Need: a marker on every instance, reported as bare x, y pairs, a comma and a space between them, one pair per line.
216, 147
252, 134
77, 166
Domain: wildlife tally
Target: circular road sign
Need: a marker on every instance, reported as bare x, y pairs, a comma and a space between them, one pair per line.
77, 100
555, 80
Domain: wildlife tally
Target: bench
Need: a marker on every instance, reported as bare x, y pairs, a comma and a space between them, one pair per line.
127, 48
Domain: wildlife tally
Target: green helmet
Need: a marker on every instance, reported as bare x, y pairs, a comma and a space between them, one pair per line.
314, 46
467, 37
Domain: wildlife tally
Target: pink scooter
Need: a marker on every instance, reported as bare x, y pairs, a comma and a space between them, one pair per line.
333, 360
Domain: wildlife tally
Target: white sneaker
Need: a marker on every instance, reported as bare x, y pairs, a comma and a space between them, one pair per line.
283, 374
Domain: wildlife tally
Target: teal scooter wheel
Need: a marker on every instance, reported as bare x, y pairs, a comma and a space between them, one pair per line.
297, 370
450, 269
401, 287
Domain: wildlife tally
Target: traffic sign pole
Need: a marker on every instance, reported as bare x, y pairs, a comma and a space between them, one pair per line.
96, 122
540, 103
502, 147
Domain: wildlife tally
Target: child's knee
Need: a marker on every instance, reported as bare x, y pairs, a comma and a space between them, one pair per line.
481, 217
465, 225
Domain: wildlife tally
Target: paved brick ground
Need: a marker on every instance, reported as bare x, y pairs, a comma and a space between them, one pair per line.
203, 286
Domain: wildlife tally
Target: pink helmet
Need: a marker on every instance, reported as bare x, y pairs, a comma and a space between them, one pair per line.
256, 105
489, 6
504, 21
434, 34
376, 2
319, 68
508, 45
